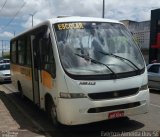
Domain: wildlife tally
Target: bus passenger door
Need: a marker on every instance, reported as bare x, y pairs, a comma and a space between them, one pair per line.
35, 69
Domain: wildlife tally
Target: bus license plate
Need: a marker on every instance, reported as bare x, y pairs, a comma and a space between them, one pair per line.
117, 114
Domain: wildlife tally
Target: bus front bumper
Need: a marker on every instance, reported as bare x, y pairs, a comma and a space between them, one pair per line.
84, 110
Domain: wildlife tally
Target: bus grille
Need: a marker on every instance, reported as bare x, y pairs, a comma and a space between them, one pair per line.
113, 94
116, 107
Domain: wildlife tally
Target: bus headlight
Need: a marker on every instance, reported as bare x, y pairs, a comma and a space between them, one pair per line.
72, 95
144, 87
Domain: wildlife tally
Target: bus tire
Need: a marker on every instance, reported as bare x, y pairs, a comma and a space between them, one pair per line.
52, 113
20, 89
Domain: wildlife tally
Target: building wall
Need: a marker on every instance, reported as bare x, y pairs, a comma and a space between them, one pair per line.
141, 34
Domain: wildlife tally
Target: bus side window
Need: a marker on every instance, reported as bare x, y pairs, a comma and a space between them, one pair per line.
28, 51
48, 62
21, 51
13, 51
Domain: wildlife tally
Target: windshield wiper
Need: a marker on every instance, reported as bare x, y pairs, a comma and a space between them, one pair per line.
96, 62
121, 58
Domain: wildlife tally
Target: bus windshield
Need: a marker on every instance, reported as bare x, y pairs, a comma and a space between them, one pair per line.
90, 48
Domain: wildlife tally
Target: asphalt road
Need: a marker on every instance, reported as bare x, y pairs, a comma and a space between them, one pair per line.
37, 121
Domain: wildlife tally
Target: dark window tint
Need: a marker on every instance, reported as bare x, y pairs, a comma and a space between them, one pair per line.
6, 61
28, 51
21, 51
48, 62
154, 69
5, 67
42, 50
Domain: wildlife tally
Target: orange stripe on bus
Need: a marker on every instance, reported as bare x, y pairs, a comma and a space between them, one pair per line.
25, 71
46, 79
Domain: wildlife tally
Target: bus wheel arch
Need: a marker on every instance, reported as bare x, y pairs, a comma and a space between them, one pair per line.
50, 108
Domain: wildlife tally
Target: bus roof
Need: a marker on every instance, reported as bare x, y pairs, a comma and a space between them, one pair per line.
69, 19
82, 19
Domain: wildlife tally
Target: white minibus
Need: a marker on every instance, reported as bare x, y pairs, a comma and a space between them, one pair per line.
80, 70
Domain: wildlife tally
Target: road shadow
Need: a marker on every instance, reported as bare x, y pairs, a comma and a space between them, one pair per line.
105, 128
26, 127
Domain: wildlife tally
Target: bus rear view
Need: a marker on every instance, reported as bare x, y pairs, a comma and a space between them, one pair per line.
104, 71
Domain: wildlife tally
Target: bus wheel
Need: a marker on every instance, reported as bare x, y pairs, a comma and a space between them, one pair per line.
20, 90
52, 113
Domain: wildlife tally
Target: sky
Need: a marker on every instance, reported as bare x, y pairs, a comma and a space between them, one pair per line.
15, 15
